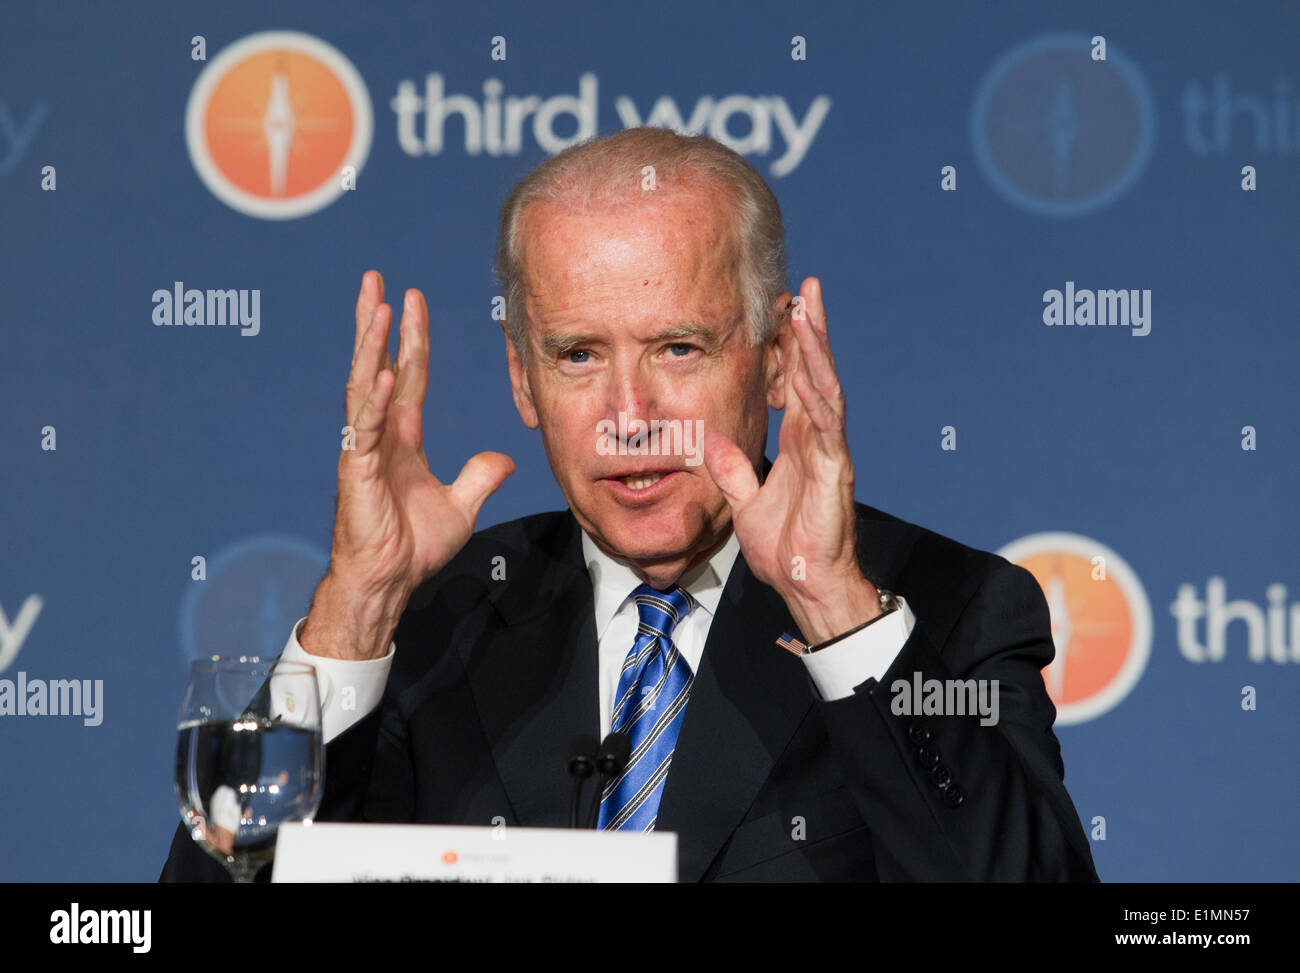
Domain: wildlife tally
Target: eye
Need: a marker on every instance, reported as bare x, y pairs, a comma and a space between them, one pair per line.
579, 357
685, 349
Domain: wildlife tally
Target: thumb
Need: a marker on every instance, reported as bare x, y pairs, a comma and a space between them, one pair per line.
730, 469
479, 479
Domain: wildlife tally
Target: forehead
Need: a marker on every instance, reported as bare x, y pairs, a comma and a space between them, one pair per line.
637, 256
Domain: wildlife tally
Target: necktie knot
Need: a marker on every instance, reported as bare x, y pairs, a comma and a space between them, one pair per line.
660, 611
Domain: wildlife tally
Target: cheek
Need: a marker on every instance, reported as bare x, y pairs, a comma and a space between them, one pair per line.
569, 429
745, 407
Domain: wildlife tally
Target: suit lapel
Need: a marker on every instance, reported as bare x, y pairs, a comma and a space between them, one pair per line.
534, 680
534, 683
748, 699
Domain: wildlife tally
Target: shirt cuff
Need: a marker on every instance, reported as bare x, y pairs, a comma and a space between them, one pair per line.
864, 655
348, 689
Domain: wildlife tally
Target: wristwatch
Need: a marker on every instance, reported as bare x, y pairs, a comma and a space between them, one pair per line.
888, 605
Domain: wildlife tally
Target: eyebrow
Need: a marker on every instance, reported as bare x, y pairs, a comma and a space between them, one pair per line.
556, 344
689, 330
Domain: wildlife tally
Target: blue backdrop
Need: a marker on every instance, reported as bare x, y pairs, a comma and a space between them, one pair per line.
131, 448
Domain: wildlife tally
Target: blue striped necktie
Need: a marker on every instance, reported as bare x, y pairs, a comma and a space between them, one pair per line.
649, 706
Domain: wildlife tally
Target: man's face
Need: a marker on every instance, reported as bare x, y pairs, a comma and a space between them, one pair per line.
636, 311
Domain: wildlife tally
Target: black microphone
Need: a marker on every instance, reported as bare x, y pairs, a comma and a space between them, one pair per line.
582, 764
611, 758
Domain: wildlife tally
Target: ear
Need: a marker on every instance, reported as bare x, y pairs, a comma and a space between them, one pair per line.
780, 354
519, 383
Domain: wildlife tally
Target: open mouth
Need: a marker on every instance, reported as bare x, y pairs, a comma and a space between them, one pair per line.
640, 481
645, 484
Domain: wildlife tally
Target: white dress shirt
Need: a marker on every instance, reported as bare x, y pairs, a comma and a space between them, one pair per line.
349, 690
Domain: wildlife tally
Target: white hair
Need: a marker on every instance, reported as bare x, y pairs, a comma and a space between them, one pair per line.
607, 172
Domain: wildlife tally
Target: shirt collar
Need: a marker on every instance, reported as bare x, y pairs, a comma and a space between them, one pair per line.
613, 581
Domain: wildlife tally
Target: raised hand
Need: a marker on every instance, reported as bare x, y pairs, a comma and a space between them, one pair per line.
395, 524
797, 530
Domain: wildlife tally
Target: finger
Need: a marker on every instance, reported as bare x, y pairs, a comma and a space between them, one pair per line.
789, 355
370, 297
478, 480
731, 470
828, 427
815, 350
367, 362
413, 352
815, 315
794, 408
814, 359
815, 309
372, 416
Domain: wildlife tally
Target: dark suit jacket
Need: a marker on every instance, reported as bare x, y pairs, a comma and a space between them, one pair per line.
492, 680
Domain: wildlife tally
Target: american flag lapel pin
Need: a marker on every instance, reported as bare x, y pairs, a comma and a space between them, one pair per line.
791, 644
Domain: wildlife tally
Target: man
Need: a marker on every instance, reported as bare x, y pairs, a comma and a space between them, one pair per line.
742, 622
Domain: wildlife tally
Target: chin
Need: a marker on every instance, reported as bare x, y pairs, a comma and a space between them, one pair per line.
650, 535
637, 543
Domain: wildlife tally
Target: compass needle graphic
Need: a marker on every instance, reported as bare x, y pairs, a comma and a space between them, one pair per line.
278, 126
1062, 127
1059, 609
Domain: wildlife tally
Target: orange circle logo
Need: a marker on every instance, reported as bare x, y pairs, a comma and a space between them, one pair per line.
1101, 621
275, 121
450, 857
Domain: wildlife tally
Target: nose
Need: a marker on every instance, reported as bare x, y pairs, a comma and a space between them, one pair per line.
629, 390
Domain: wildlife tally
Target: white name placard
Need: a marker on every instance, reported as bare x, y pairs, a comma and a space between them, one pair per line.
319, 852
